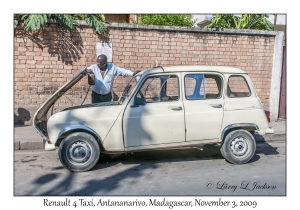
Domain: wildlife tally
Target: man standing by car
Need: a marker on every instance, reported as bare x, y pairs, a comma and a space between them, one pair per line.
104, 78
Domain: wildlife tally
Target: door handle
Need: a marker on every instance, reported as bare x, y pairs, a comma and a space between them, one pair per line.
178, 108
216, 106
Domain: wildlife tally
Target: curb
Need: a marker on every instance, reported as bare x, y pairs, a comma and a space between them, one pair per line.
270, 138
29, 145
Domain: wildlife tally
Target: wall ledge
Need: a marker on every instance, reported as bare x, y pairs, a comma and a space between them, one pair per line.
193, 29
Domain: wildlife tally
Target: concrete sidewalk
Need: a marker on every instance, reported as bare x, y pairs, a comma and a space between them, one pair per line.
27, 138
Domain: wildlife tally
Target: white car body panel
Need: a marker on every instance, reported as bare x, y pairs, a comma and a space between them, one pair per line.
100, 119
244, 109
153, 124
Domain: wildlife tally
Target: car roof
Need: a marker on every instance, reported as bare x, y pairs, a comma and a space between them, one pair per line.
219, 69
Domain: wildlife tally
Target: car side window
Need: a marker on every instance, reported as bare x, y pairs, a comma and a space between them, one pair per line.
160, 88
237, 87
203, 86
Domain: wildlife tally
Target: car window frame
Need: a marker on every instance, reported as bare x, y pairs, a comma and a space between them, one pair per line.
158, 75
238, 75
202, 73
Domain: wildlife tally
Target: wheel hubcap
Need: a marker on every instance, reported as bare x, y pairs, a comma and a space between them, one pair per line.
239, 146
79, 152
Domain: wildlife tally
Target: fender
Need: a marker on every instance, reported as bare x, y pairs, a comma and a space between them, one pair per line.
246, 126
77, 128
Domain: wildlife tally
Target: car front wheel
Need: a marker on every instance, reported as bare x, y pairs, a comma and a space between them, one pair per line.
238, 147
79, 152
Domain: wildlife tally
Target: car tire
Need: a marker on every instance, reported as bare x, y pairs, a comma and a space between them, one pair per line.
238, 147
79, 152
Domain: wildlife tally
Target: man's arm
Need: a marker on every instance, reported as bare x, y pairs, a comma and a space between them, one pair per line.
124, 72
136, 72
89, 71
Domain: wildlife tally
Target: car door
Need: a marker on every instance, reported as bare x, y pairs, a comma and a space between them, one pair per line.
160, 121
203, 104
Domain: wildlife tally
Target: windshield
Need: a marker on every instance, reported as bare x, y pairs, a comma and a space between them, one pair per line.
129, 87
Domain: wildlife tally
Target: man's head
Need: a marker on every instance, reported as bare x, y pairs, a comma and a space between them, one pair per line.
102, 62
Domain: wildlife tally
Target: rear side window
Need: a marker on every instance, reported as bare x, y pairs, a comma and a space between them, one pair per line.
202, 86
238, 87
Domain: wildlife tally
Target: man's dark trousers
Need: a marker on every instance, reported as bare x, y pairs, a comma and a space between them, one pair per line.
97, 98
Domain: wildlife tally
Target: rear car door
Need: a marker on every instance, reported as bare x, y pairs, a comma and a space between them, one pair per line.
203, 103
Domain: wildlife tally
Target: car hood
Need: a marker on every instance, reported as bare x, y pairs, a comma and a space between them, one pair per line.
40, 117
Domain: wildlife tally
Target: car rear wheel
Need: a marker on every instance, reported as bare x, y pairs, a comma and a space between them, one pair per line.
238, 147
79, 152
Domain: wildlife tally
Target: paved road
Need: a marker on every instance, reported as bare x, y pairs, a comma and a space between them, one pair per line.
177, 172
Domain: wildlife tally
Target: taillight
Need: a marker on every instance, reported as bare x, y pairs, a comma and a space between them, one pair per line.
267, 115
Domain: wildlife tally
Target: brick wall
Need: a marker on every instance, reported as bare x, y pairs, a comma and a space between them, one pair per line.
45, 61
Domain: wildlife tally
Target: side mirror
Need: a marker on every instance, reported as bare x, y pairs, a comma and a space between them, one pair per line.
139, 101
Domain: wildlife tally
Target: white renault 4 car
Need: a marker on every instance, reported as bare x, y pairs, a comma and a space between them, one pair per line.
163, 107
